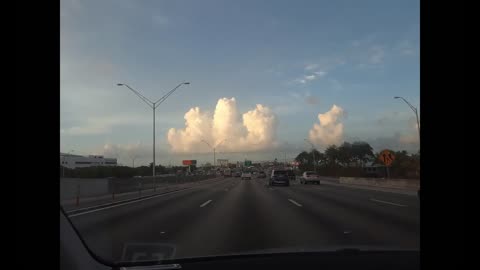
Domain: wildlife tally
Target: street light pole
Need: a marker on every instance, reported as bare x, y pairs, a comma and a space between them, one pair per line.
154, 175
416, 114
153, 105
63, 165
313, 153
214, 149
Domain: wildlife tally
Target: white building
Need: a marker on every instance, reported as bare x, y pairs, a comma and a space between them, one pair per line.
76, 161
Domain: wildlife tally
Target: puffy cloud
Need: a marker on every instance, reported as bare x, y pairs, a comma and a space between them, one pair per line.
255, 130
329, 130
310, 77
198, 126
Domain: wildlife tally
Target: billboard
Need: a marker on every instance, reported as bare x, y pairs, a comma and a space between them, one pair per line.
189, 162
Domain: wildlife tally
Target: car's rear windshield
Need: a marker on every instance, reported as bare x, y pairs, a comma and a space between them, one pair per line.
280, 173
310, 173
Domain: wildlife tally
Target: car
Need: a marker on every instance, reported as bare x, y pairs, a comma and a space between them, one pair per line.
279, 177
246, 175
261, 175
227, 173
310, 177
237, 174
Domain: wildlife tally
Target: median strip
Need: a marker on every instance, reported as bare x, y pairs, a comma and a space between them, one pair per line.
396, 204
97, 208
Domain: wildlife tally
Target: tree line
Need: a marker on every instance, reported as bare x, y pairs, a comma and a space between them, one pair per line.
358, 159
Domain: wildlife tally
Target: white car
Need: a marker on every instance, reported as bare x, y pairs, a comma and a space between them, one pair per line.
310, 177
246, 175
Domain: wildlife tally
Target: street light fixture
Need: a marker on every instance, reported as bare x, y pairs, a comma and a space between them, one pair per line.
416, 114
313, 152
214, 148
153, 105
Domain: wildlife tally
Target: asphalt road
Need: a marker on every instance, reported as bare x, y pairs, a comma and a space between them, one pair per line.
234, 216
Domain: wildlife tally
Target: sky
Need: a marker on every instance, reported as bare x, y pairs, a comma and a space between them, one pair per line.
264, 77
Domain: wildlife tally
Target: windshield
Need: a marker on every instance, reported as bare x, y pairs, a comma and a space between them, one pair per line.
164, 104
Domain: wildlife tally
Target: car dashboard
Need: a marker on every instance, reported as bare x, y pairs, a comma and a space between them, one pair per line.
74, 254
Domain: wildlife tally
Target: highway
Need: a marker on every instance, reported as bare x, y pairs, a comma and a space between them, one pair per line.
234, 216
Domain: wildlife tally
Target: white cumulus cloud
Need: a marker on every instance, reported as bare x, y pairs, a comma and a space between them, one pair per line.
225, 129
329, 130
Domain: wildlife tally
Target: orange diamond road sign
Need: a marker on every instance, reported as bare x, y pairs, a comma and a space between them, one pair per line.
386, 157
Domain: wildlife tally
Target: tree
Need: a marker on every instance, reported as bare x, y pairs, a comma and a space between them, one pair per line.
306, 161
321, 159
332, 155
362, 152
405, 165
345, 153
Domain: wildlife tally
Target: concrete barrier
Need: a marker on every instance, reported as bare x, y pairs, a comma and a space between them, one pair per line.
408, 184
92, 187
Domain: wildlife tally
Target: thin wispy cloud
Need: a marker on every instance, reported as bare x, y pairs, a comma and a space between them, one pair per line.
320, 73
160, 20
405, 47
310, 77
98, 125
312, 100
311, 67
377, 54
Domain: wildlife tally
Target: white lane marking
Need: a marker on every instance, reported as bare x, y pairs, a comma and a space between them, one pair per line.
205, 203
294, 202
396, 204
121, 204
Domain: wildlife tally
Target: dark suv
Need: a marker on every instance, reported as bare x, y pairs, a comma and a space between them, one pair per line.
279, 177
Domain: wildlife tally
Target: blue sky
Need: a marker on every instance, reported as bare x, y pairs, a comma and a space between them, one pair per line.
298, 58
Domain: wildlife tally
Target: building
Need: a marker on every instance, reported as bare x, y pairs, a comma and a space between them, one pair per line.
76, 161
372, 169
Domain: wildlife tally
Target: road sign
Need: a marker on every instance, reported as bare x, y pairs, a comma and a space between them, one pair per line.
386, 157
